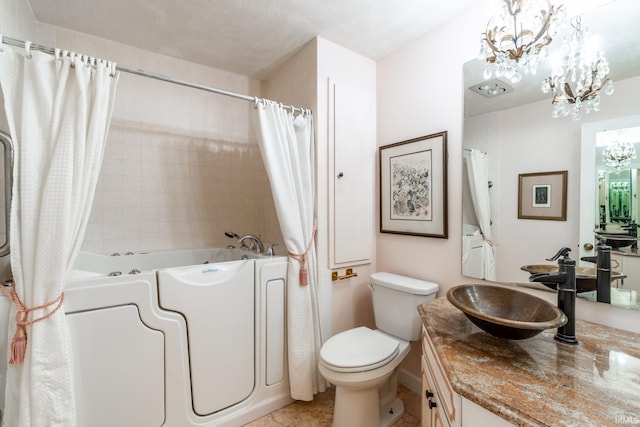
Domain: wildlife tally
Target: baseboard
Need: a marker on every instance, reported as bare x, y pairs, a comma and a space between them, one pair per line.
410, 381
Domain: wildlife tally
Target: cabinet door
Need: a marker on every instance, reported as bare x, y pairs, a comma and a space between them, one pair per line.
617, 265
448, 399
630, 265
476, 416
427, 387
351, 172
432, 413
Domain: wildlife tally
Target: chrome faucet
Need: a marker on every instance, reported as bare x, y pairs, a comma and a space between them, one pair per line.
565, 279
256, 242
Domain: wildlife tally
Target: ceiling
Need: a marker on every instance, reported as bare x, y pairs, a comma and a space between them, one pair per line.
250, 37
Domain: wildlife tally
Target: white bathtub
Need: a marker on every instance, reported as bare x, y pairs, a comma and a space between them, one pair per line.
176, 338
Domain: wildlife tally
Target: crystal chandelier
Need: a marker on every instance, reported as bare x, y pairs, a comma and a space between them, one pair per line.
517, 37
618, 155
576, 83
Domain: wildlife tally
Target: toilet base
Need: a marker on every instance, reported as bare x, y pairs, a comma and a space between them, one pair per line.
391, 413
356, 408
344, 416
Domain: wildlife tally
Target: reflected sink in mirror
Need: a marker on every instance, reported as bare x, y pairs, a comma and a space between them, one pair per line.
586, 277
505, 312
616, 241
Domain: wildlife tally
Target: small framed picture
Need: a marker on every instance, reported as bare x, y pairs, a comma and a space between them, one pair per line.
413, 186
543, 195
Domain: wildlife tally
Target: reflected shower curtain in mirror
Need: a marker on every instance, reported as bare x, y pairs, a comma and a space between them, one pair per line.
478, 171
58, 109
287, 147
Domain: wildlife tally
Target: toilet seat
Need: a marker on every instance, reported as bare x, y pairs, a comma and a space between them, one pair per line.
359, 349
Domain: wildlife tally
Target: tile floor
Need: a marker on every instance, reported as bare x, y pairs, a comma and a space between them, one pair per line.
319, 412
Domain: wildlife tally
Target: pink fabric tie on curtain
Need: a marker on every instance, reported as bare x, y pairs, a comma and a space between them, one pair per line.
302, 258
19, 341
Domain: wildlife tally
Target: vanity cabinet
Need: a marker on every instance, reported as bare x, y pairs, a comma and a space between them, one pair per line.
482, 381
432, 410
630, 266
441, 405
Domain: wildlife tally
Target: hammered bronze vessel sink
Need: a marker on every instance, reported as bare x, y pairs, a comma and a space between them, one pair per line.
504, 312
586, 277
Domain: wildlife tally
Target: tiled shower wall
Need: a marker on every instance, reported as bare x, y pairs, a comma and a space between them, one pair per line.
160, 190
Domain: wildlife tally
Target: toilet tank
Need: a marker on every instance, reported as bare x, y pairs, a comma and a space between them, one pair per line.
395, 303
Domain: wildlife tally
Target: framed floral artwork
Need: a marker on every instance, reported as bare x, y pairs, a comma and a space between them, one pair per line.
413, 187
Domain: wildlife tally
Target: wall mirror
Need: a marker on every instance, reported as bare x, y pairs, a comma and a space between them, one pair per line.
515, 134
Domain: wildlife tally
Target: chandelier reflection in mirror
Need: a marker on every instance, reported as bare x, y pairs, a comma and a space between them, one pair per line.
517, 37
577, 80
618, 155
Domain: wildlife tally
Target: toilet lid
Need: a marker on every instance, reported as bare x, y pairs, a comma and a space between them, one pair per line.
358, 349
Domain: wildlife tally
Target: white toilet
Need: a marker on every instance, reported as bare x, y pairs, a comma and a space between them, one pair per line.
362, 363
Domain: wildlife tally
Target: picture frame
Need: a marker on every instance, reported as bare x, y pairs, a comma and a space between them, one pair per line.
413, 187
543, 195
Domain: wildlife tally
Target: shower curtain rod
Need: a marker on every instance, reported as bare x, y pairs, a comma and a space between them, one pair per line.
51, 51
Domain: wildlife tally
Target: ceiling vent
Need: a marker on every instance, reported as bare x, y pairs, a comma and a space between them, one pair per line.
491, 88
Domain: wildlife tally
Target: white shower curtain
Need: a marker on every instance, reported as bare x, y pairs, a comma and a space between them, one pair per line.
58, 109
478, 172
287, 147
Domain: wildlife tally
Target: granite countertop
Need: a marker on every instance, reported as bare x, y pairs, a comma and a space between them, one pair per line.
539, 381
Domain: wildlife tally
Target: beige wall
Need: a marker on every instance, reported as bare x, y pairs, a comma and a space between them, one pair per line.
420, 93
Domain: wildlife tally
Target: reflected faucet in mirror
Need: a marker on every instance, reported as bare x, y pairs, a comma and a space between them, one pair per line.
565, 280
603, 266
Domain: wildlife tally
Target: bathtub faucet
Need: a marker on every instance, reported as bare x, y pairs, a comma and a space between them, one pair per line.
256, 242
